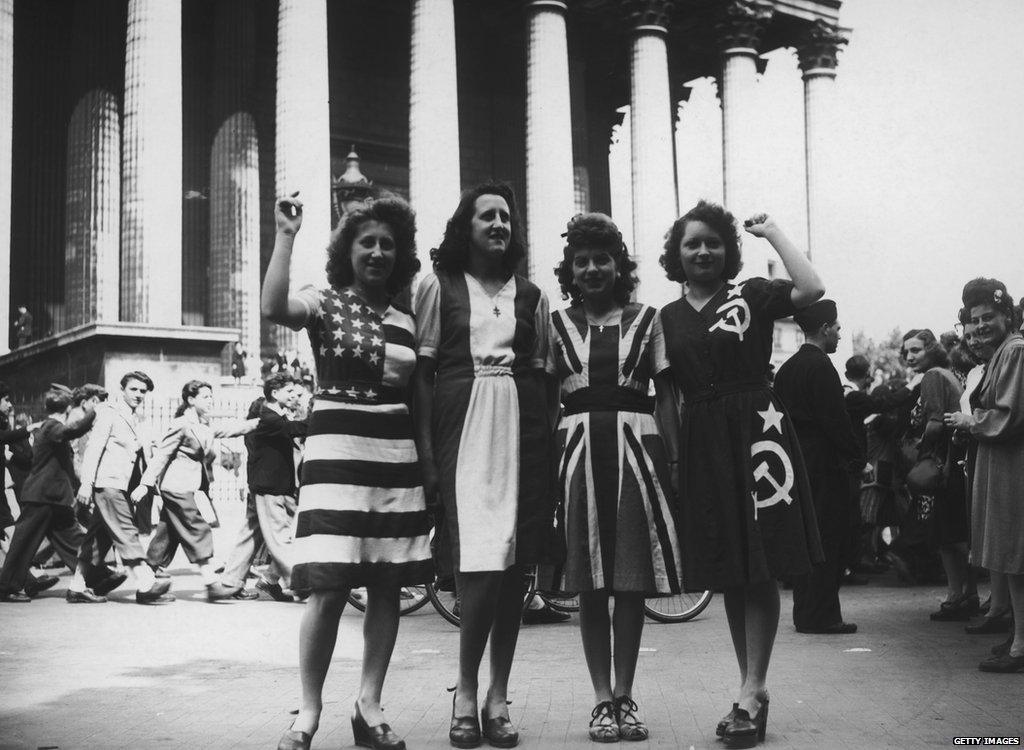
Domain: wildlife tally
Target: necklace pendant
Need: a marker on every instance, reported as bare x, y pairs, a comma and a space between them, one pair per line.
600, 328
497, 312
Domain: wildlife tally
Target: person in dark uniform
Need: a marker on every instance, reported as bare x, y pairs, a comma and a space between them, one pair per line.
809, 386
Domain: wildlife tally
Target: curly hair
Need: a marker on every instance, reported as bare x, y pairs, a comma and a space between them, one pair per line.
400, 219
452, 254
982, 291
935, 353
595, 231
721, 222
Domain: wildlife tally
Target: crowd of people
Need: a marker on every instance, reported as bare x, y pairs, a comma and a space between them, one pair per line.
626, 451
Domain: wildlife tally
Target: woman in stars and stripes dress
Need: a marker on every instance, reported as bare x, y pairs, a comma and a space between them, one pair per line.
361, 517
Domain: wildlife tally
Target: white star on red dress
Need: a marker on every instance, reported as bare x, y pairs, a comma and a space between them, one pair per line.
772, 418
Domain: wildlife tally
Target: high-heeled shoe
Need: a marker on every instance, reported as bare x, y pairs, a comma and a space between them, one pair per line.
499, 730
746, 731
465, 730
727, 720
293, 740
379, 737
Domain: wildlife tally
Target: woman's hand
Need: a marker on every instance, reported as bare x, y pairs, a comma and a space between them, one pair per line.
288, 214
760, 225
958, 420
140, 492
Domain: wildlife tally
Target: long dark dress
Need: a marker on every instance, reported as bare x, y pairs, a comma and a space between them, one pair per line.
746, 514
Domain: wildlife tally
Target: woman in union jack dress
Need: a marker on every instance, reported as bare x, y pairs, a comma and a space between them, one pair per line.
361, 517
613, 473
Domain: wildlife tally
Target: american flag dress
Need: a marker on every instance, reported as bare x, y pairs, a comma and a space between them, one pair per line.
361, 517
613, 475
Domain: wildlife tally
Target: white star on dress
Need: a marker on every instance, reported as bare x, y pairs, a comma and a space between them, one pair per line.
374, 358
338, 349
370, 393
338, 318
772, 418
376, 341
354, 307
358, 351
352, 393
736, 291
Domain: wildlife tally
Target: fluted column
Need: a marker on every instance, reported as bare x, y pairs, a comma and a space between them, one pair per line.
818, 51
151, 178
6, 144
303, 138
652, 153
434, 179
740, 36
550, 189
93, 211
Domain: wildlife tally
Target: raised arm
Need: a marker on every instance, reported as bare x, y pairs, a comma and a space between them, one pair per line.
808, 287
276, 304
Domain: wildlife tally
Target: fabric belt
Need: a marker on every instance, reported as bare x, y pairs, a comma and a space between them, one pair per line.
607, 398
717, 390
359, 392
492, 371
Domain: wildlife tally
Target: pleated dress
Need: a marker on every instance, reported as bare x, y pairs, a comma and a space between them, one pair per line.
361, 517
745, 509
613, 477
490, 424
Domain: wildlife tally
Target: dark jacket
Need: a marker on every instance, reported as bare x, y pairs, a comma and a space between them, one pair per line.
10, 437
52, 477
861, 404
271, 461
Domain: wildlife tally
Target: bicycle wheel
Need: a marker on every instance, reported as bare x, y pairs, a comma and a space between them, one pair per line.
411, 598
445, 602
567, 603
678, 608
357, 598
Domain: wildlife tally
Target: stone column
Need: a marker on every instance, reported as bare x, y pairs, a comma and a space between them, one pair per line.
92, 240
550, 188
652, 151
434, 179
818, 50
6, 144
740, 35
151, 186
303, 138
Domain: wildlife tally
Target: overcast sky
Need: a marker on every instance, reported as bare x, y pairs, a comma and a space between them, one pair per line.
930, 172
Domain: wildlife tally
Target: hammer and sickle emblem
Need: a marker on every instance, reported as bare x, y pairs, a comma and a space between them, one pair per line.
780, 492
736, 317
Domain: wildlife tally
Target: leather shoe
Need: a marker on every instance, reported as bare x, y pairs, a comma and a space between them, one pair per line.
378, 737
292, 740
15, 597
246, 595
216, 592
159, 588
110, 583
33, 587
464, 731
543, 616
1002, 649
274, 590
83, 597
840, 628
1005, 663
990, 626
499, 731
958, 609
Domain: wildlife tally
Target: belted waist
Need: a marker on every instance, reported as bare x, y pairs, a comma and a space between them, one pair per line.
359, 392
716, 390
492, 371
607, 398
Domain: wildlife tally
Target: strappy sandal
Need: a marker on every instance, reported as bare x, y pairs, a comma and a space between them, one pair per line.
604, 726
630, 727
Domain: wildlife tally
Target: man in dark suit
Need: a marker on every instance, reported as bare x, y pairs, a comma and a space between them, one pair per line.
9, 436
809, 386
48, 495
271, 474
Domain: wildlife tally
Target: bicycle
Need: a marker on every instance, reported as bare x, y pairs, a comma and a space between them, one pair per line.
411, 598
678, 608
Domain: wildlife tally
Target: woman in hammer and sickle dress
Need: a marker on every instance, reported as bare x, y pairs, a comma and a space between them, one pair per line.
746, 516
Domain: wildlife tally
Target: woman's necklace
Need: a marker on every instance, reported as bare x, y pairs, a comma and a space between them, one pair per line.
605, 319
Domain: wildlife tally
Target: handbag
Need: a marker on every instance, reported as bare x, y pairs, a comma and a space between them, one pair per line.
927, 476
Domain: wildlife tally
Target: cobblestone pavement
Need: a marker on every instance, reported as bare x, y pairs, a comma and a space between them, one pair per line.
199, 675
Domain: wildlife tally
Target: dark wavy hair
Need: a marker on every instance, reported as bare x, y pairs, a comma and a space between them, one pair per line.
595, 231
276, 382
719, 220
453, 253
935, 353
137, 375
982, 291
400, 218
190, 390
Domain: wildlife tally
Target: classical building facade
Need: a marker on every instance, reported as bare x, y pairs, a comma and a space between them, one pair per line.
142, 143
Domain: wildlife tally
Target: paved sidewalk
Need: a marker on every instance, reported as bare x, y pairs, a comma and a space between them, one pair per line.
198, 675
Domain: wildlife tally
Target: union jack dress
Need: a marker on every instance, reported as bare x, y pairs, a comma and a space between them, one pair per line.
362, 516
612, 471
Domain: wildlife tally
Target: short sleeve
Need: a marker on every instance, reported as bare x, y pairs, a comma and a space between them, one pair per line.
427, 308
554, 343
769, 300
312, 299
656, 349
542, 324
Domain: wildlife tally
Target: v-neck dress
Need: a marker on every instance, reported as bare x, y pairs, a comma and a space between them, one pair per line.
745, 508
613, 476
490, 423
362, 516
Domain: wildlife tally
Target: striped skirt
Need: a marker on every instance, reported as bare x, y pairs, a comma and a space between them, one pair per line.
620, 530
362, 517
